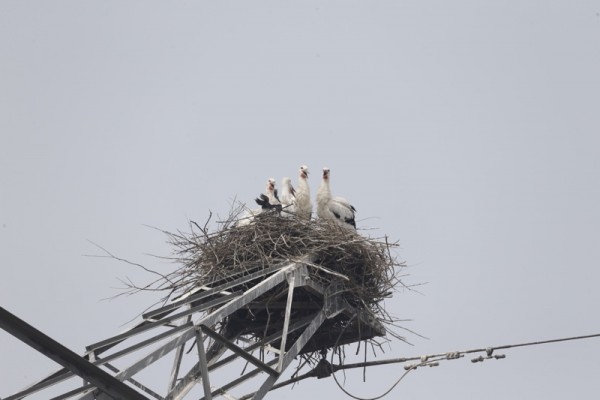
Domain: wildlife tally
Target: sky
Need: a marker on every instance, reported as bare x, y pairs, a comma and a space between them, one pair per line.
468, 131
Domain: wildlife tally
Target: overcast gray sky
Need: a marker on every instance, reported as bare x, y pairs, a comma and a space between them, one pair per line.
467, 130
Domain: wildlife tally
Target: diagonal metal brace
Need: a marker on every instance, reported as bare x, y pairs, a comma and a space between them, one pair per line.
185, 383
238, 350
101, 346
292, 353
158, 313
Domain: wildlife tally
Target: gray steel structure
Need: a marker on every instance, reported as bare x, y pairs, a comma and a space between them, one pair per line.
193, 319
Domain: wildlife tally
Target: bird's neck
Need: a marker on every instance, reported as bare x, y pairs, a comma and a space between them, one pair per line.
303, 184
325, 190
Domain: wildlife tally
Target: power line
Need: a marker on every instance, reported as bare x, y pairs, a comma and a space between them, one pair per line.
508, 346
324, 368
458, 354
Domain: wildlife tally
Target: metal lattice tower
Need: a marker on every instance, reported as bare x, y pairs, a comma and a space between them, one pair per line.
213, 327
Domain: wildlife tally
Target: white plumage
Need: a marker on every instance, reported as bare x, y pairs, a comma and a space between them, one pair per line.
303, 204
288, 196
248, 217
267, 200
331, 208
272, 192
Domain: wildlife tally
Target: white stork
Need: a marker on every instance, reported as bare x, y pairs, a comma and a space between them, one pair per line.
336, 209
267, 201
303, 203
288, 196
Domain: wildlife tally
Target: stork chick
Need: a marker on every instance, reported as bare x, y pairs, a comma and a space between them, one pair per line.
335, 209
303, 203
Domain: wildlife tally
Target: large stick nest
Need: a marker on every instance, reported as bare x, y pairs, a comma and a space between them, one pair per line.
234, 250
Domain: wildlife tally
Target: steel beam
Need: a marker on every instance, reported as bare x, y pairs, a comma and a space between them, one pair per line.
238, 350
209, 320
212, 291
65, 357
185, 384
210, 308
291, 354
66, 374
203, 364
139, 329
223, 389
225, 310
136, 383
286, 322
177, 362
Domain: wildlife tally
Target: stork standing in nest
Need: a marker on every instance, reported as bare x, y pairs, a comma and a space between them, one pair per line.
303, 203
269, 200
336, 209
288, 197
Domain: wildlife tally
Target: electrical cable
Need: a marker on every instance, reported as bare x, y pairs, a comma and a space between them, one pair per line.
411, 368
430, 360
434, 359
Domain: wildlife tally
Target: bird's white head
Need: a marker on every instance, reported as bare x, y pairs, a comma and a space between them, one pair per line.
326, 174
270, 185
304, 172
